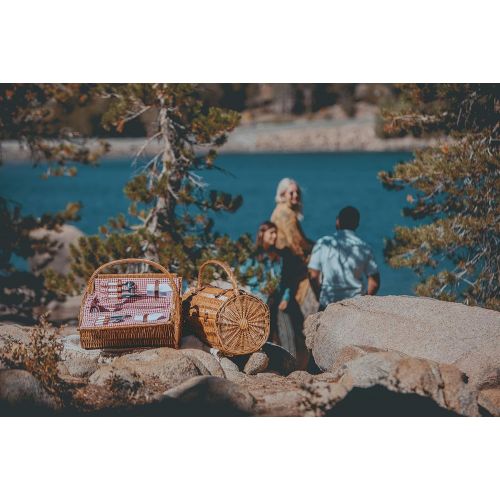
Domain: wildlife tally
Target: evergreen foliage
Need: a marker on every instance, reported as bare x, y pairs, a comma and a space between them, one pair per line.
28, 115
31, 114
169, 215
454, 191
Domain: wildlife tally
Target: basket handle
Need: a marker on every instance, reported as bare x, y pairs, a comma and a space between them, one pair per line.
220, 264
90, 285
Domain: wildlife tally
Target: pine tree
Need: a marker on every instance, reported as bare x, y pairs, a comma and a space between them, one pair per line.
454, 191
169, 215
31, 114
28, 115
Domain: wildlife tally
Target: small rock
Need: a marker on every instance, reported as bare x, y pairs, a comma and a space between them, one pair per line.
257, 363
482, 366
327, 377
205, 362
489, 399
80, 362
231, 370
80, 367
105, 374
281, 404
269, 376
22, 393
168, 366
205, 395
296, 396
228, 365
301, 376
350, 353
320, 397
237, 377
68, 330
11, 332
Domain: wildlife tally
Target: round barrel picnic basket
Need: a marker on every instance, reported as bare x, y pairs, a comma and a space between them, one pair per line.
131, 310
231, 320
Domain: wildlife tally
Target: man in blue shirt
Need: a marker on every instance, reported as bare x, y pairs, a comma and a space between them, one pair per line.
339, 263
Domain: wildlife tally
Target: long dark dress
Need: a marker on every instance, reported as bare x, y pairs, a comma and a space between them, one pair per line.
272, 280
291, 236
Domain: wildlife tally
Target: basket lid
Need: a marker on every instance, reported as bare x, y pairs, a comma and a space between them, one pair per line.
244, 324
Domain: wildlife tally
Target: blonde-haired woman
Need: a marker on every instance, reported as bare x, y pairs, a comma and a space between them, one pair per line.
287, 216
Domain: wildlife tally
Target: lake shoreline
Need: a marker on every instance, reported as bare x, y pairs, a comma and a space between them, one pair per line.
297, 136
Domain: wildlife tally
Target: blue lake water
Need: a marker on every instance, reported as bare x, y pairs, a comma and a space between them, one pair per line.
329, 182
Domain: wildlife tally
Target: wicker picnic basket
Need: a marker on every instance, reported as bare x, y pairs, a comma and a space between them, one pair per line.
232, 320
131, 310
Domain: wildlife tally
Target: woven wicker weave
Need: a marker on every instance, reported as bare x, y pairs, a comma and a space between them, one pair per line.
161, 333
232, 321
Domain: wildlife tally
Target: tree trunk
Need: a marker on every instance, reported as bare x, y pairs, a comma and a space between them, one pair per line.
162, 216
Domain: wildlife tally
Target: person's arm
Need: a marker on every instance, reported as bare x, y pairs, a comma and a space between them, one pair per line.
285, 299
372, 274
315, 280
373, 284
315, 267
286, 280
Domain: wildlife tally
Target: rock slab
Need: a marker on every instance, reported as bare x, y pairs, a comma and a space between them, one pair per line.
79, 362
444, 384
206, 395
257, 363
21, 391
165, 365
442, 332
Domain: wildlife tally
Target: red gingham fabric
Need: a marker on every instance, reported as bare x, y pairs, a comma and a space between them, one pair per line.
104, 305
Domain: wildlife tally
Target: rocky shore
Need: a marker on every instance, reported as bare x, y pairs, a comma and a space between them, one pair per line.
318, 135
337, 132
376, 356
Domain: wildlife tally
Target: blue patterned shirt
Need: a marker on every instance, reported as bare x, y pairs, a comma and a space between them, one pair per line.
270, 269
343, 259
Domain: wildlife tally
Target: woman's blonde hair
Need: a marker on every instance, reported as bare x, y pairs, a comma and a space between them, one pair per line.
283, 185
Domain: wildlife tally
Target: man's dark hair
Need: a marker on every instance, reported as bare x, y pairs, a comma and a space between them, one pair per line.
348, 218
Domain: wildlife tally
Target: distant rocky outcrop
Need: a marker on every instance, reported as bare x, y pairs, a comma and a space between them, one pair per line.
335, 133
60, 261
